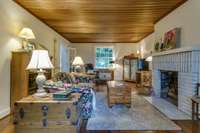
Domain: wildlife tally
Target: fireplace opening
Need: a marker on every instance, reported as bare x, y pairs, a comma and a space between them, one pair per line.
169, 86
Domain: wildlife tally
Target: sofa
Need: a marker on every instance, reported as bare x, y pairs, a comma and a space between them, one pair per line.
76, 79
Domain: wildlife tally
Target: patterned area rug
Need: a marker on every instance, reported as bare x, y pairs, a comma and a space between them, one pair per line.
142, 116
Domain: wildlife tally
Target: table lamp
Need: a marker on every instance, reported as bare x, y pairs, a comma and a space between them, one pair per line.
149, 58
26, 34
40, 60
138, 53
78, 62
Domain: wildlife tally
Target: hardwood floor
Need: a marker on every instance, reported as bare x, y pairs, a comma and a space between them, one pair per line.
6, 125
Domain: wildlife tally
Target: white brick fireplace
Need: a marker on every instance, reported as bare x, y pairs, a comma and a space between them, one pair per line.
185, 61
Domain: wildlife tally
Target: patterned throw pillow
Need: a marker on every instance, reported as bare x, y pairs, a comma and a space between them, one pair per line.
73, 79
62, 76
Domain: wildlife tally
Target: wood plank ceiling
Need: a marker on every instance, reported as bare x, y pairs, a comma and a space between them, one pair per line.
101, 20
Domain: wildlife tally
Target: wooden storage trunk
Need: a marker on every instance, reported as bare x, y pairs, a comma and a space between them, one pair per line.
119, 92
33, 115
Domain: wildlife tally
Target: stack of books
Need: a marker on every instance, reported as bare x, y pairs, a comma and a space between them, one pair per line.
62, 95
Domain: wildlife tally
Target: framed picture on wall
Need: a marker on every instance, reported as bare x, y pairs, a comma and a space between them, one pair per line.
30, 46
171, 39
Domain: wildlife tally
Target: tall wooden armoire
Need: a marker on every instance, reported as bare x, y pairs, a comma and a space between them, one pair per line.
130, 67
19, 76
22, 81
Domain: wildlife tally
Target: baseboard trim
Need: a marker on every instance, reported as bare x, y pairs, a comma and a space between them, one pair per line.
4, 112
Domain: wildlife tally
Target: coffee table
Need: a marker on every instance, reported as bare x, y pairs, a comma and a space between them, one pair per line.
118, 92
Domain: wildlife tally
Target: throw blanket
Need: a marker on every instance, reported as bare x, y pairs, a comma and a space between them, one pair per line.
86, 104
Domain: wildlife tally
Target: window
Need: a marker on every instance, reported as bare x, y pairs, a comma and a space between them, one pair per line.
103, 57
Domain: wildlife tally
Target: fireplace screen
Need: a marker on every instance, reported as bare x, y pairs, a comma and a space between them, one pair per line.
169, 86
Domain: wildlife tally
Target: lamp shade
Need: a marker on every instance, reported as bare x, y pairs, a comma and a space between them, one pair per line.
149, 59
78, 61
26, 33
138, 51
40, 60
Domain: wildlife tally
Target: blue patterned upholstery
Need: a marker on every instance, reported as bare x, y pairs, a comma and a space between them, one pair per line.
85, 104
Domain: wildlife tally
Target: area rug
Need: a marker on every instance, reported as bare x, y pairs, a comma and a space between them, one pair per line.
170, 110
142, 116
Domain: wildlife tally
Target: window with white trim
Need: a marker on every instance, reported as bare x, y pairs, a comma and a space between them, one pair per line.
104, 56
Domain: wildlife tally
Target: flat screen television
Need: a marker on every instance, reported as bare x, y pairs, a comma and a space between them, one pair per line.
143, 65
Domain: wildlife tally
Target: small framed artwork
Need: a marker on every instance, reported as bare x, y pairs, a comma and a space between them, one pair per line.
30, 46
172, 39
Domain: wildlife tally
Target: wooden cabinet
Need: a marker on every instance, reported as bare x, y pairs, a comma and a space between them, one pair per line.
144, 79
19, 76
22, 81
104, 75
130, 67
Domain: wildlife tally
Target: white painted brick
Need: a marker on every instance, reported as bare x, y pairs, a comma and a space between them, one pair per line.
188, 66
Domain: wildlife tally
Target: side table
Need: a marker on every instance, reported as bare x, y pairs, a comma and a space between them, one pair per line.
195, 108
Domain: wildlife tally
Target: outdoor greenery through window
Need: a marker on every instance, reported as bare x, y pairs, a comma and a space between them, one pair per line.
103, 57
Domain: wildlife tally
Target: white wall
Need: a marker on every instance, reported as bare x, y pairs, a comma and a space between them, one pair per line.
12, 19
187, 17
87, 52
147, 45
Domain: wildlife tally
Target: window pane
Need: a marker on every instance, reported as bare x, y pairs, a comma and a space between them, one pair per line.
97, 54
103, 57
97, 50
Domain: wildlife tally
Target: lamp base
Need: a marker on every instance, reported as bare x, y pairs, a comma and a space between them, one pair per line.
78, 69
44, 94
40, 80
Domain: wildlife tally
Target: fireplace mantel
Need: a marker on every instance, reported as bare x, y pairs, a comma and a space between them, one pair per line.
177, 50
181, 60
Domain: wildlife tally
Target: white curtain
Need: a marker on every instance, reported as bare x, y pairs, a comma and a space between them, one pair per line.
64, 58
